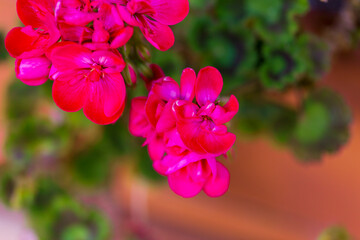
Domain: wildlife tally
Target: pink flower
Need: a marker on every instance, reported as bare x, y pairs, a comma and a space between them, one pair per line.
153, 18
184, 139
88, 80
201, 127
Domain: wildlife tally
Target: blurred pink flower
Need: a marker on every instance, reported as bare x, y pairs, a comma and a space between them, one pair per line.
90, 80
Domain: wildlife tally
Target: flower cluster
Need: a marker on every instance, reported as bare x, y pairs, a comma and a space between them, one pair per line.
185, 138
76, 44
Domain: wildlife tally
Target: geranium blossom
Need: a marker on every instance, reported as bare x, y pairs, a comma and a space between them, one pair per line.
90, 80
184, 138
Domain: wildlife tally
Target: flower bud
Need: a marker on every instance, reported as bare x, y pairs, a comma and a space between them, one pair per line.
33, 71
129, 75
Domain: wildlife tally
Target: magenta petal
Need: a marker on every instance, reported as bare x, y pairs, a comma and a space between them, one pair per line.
156, 147
199, 171
24, 42
214, 143
114, 92
33, 12
181, 183
217, 186
187, 84
185, 111
189, 133
33, 71
94, 112
122, 37
106, 99
208, 86
167, 119
138, 123
70, 96
126, 16
159, 35
166, 89
170, 12
75, 33
153, 108
224, 114
71, 57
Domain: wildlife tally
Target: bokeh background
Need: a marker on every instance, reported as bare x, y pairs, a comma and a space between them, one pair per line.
294, 65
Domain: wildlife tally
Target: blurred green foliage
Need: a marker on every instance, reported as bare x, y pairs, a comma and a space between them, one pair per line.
249, 41
3, 53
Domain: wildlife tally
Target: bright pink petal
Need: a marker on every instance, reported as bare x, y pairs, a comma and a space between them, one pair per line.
216, 143
167, 119
217, 186
138, 123
100, 35
153, 108
189, 133
159, 35
106, 99
97, 46
187, 84
208, 86
24, 40
170, 12
166, 89
224, 114
182, 184
73, 56
33, 71
185, 111
199, 171
127, 16
33, 12
122, 37
70, 96
50, 50
111, 17
156, 147
77, 34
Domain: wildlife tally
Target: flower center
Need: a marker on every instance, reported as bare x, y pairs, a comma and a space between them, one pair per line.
95, 73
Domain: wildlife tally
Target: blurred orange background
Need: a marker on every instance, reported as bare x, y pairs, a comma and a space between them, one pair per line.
271, 196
